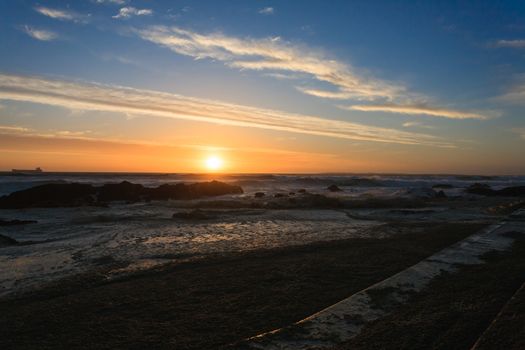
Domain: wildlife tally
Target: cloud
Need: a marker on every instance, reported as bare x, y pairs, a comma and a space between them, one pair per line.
418, 110
413, 124
127, 12
515, 44
40, 34
281, 76
11, 129
274, 54
91, 96
516, 94
117, 2
63, 15
267, 11
520, 132
279, 59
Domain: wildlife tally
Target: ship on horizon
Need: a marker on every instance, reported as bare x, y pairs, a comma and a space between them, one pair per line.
27, 171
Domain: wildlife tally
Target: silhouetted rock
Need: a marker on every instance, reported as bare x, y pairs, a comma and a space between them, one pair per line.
334, 188
291, 194
7, 241
16, 222
259, 194
50, 195
302, 190
443, 186
280, 195
481, 189
73, 195
485, 190
517, 191
124, 191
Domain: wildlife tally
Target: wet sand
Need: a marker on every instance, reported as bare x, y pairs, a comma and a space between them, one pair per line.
217, 300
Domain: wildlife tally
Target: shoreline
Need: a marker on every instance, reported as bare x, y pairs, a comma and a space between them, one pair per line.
214, 301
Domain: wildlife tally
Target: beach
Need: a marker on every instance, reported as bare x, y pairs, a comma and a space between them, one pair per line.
208, 273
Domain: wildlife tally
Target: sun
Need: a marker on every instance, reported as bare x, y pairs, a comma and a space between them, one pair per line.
213, 163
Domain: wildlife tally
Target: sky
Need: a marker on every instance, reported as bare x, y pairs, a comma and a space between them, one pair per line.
264, 86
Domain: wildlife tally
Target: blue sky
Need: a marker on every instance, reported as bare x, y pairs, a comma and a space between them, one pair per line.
389, 86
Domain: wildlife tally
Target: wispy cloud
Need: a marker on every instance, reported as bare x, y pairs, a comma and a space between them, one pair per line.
11, 128
90, 96
277, 57
520, 132
274, 54
515, 94
515, 44
417, 124
418, 110
267, 11
127, 12
117, 2
284, 76
64, 15
40, 34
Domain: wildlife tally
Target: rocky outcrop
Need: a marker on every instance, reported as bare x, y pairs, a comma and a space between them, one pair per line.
74, 194
334, 188
486, 190
50, 195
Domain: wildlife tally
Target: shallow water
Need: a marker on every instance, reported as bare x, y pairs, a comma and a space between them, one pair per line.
74, 240
67, 241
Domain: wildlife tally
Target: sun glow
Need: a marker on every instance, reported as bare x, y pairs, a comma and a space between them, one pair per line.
213, 163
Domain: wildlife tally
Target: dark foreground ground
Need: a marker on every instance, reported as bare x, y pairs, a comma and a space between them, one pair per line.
456, 309
219, 300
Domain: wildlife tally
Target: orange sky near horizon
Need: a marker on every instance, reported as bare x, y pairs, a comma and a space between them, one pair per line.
91, 155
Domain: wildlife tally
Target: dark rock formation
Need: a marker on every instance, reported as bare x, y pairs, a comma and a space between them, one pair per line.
16, 222
259, 194
334, 188
124, 191
302, 190
50, 195
481, 189
486, 190
517, 191
74, 194
280, 195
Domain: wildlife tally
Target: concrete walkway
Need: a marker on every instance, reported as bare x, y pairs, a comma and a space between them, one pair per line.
344, 320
